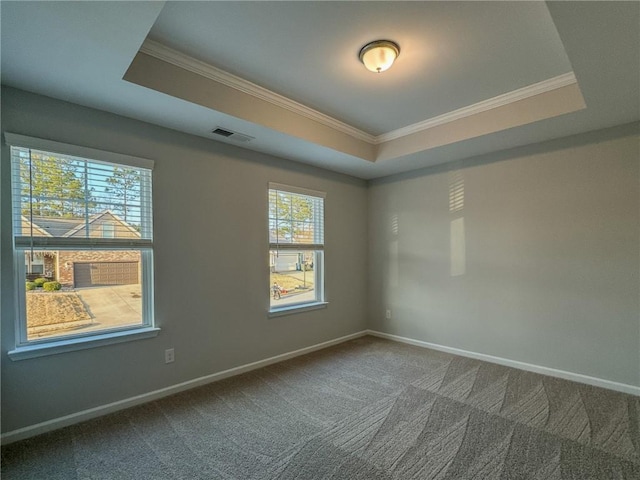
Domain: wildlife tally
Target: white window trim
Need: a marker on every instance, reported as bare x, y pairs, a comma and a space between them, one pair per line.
291, 309
299, 190
320, 301
25, 348
81, 343
49, 346
15, 140
36, 261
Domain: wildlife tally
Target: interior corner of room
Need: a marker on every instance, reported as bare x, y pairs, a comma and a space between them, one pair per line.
508, 232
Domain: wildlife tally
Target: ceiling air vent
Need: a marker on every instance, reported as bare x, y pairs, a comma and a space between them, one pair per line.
238, 137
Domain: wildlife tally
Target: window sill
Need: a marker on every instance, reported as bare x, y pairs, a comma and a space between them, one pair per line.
290, 310
73, 344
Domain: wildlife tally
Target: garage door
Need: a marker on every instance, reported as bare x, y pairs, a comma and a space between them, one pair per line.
105, 273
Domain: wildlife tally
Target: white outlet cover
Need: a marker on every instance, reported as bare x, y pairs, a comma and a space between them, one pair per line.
169, 355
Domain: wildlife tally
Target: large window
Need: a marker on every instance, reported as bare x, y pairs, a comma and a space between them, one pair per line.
296, 247
83, 243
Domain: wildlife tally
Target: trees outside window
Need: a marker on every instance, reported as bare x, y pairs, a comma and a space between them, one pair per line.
124, 185
84, 226
53, 183
296, 246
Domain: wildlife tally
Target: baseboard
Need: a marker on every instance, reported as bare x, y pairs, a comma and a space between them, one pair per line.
57, 423
575, 377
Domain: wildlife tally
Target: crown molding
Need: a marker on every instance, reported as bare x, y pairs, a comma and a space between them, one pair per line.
191, 64
206, 70
484, 106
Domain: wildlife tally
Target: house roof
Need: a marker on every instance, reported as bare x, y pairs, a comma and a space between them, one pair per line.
94, 218
55, 227
69, 227
472, 77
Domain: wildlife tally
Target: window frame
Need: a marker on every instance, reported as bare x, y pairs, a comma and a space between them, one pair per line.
111, 230
25, 348
317, 248
39, 263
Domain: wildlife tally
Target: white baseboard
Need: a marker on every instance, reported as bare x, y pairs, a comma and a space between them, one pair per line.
575, 377
56, 423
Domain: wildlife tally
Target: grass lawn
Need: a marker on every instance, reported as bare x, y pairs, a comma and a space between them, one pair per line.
290, 282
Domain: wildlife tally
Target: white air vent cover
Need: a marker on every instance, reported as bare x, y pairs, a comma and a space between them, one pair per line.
231, 135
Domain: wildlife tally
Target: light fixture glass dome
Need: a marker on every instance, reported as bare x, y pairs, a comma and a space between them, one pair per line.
378, 56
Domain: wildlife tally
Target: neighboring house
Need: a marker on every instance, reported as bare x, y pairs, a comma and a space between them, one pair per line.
290, 260
84, 268
285, 261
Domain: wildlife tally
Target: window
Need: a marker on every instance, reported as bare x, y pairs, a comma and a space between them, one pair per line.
296, 247
108, 230
34, 264
83, 217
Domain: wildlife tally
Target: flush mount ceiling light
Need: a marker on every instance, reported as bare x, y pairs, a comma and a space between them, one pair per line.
379, 55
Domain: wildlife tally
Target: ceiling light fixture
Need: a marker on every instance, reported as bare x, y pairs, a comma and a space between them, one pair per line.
379, 55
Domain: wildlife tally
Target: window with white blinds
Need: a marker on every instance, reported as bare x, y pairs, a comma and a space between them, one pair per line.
63, 200
296, 218
296, 248
83, 239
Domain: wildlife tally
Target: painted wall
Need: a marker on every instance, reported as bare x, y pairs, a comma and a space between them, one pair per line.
211, 264
529, 255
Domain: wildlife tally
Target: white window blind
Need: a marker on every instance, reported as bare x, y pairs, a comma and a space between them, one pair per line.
88, 214
296, 218
66, 201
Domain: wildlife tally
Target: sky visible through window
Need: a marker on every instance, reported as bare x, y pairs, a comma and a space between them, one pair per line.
55, 185
296, 234
84, 228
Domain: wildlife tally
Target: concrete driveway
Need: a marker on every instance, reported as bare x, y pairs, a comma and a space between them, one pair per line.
112, 306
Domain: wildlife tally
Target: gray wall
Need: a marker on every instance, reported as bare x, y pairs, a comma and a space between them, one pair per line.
550, 272
211, 264
546, 271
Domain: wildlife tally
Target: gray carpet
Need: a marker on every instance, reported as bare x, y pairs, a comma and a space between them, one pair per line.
365, 409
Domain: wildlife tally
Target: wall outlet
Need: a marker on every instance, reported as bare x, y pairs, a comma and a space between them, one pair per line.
169, 355
388, 314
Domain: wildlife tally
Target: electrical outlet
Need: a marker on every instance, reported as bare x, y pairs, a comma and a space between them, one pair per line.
388, 314
169, 355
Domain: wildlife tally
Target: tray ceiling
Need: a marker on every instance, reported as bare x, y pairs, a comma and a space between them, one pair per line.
472, 77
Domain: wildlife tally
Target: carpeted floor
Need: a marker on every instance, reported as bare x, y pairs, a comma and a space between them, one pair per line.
366, 409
